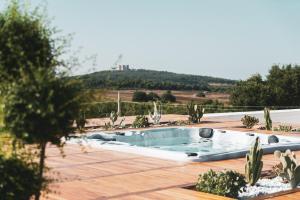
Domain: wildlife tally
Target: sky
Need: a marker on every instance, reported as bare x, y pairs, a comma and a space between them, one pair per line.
230, 39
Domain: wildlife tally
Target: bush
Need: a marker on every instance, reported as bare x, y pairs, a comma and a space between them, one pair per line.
284, 128
139, 96
18, 179
249, 121
168, 97
228, 183
200, 94
152, 96
140, 122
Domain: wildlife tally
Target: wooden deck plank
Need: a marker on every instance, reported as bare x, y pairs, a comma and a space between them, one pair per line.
103, 174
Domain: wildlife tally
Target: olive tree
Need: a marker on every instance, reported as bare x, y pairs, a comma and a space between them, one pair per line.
26, 43
41, 110
40, 104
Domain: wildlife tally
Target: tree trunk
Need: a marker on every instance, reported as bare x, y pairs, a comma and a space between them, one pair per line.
41, 168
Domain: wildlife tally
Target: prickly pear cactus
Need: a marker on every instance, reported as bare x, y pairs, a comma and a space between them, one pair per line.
268, 119
195, 112
291, 170
254, 164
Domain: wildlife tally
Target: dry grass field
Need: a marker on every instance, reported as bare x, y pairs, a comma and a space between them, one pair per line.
181, 96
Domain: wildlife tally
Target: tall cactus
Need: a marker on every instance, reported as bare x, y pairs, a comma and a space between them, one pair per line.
113, 117
291, 170
268, 119
156, 116
195, 112
254, 164
119, 105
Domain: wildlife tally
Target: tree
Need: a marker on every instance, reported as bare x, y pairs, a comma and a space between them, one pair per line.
139, 96
152, 96
20, 178
25, 44
42, 113
168, 97
285, 84
40, 104
252, 92
281, 88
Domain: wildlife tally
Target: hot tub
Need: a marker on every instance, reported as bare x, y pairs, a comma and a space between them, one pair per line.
185, 144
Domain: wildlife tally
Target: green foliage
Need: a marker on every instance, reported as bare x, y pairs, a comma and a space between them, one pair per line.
103, 109
40, 106
283, 128
81, 121
18, 179
139, 96
195, 112
281, 88
44, 112
149, 79
200, 94
254, 164
25, 43
168, 97
268, 119
291, 170
152, 96
228, 183
249, 121
140, 122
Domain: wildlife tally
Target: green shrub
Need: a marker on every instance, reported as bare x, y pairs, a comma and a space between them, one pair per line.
139, 96
18, 179
228, 183
195, 112
152, 96
200, 94
284, 128
168, 97
249, 121
140, 122
80, 121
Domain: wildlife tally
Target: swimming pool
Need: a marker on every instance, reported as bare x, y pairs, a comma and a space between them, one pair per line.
185, 144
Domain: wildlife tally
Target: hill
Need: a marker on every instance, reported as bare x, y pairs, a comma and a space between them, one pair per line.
150, 79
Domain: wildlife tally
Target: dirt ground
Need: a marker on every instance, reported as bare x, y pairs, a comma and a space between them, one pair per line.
181, 96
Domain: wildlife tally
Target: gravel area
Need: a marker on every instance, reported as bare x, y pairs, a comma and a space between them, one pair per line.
265, 186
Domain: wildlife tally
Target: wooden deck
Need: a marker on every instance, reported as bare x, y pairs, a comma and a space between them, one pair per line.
102, 174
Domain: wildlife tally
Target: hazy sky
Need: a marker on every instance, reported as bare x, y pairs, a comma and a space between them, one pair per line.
224, 38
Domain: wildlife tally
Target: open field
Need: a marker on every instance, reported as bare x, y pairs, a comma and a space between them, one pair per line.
181, 96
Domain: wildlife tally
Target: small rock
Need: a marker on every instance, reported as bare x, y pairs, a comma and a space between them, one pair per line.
273, 139
206, 132
191, 154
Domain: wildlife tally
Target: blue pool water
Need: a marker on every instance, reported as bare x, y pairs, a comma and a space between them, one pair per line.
183, 141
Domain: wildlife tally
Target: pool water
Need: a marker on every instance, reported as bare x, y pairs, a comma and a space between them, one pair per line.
185, 142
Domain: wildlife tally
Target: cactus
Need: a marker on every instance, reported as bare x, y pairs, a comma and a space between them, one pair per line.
113, 117
291, 170
268, 119
156, 116
195, 112
254, 164
119, 105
